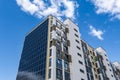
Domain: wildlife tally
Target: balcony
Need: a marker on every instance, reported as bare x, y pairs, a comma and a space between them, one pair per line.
104, 68
67, 57
68, 43
98, 70
66, 30
53, 28
53, 42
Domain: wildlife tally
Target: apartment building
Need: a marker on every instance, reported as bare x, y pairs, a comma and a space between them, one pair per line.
54, 50
116, 70
105, 67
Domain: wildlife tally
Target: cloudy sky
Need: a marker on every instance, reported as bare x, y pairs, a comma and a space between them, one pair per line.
98, 20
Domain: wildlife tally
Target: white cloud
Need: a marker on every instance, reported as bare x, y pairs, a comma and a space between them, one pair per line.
96, 33
111, 7
42, 8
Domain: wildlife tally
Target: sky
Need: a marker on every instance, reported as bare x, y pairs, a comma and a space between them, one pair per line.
98, 20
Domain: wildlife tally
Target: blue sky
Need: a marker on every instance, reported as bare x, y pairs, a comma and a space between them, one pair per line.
99, 22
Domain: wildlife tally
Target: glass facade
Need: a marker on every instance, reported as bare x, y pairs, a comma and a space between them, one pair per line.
33, 58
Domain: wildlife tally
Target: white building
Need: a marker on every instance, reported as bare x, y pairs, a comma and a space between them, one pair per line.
105, 64
116, 69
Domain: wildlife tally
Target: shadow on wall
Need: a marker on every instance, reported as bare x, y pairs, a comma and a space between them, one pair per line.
28, 76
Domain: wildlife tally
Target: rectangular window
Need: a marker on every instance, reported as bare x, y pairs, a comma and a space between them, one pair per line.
93, 54
65, 48
81, 70
49, 73
106, 59
77, 41
66, 66
112, 75
59, 63
58, 53
59, 74
50, 43
67, 76
96, 65
76, 35
78, 47
80, 62
79, 54
50, 60
75, 30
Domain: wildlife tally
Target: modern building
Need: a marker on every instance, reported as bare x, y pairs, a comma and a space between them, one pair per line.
105, 68
54, 50
116, 70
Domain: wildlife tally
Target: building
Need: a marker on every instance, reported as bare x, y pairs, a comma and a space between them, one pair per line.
105, 68
54, 50
116, 70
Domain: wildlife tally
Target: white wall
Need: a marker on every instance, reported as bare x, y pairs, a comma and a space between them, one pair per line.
75, 66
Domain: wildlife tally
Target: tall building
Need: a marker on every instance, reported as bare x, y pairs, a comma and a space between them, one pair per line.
116, 70
54, 50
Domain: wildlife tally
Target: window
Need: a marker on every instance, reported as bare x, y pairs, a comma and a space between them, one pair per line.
112, 75
96, 75
80, 62
94, 69
96, 65
50, 35
77, 41
49, 73
59, 63
67, 76
75, 30
50, 43
93, 54
58, 53
91, 57
50, 52
50, 60
106, 59
78, 47
81, 70
105, 55
76, 35
59, 74
66, 65
65, 48
79, 54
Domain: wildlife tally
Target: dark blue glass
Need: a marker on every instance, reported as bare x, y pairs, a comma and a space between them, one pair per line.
33, 58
